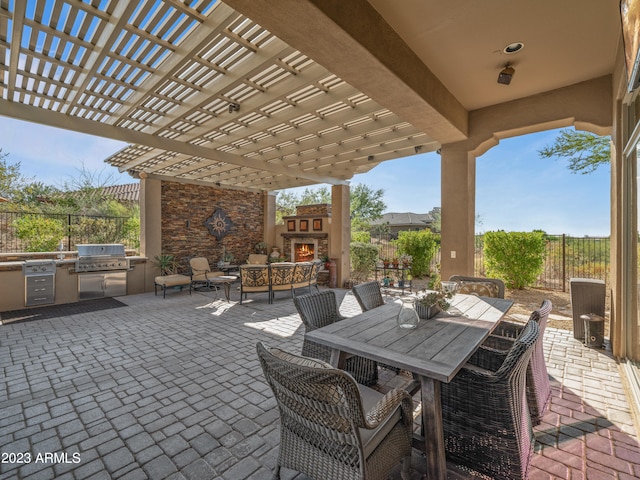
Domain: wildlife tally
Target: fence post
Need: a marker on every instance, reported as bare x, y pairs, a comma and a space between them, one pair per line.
69, 232
564, 263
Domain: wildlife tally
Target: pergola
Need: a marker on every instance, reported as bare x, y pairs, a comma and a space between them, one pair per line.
272, 94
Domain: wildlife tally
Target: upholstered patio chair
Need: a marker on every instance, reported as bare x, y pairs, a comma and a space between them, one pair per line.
302, 276
313, 278
486, 421
538, 385
201, 273
368, 295
281, 277
254, 279
482, 286
331, 428
318, 310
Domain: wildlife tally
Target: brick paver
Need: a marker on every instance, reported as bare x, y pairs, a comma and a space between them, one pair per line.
171, 388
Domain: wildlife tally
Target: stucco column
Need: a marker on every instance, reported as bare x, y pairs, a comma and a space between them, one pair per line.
458, 201
269, 218
150, 227
340, 232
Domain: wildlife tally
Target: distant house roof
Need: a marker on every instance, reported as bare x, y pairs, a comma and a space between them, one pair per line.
129, 192
405, 219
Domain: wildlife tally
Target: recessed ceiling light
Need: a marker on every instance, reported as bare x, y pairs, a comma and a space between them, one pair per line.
513, 47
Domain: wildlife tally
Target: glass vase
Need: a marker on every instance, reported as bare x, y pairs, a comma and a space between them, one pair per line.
407, 316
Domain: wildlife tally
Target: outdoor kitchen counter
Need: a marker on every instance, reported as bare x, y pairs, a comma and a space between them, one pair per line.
12, 283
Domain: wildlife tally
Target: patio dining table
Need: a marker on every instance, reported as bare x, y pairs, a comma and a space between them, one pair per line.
434, 351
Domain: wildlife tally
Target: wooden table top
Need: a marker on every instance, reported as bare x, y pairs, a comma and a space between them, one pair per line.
437, 348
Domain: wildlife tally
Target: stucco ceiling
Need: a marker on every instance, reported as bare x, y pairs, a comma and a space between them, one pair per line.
271, 94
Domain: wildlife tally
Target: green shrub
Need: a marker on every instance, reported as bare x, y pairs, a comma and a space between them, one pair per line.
39, 234
515, 257
422, 246
363, 259
360, 236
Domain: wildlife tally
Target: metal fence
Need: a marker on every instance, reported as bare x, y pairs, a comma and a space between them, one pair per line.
29, 232
566, 257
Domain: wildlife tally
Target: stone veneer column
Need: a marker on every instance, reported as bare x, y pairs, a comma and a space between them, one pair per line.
458, 212
340, 233
150, 227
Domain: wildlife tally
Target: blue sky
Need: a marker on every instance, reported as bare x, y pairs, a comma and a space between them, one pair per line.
516, 190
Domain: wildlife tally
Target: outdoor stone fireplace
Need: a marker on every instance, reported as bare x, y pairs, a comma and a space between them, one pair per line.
306, 236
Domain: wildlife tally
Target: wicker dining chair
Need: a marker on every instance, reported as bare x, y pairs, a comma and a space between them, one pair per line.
483, 286
318, 310
486, 421
538, 385
330, 428
368, 295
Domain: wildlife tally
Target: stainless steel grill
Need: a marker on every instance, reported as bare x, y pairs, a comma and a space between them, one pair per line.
102, 270
101, 257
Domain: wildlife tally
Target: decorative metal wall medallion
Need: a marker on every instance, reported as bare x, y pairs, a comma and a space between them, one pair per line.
219, 223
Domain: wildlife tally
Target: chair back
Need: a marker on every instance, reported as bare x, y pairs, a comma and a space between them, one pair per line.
516, 360
316, 311
254, 276
482, 286
319, 403
282, 275
257, 259
368, 295
199, 265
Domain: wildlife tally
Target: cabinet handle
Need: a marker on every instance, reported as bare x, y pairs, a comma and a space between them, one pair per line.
40, 280
40, 298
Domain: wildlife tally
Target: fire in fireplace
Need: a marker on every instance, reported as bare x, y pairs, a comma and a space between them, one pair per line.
304, 252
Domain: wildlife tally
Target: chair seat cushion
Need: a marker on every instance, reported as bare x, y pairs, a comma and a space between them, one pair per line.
372, 438
172, 280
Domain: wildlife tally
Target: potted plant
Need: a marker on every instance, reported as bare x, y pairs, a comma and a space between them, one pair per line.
395, 262
406, 260
385, 262
430, 302
261, 248
227, 257
166, 263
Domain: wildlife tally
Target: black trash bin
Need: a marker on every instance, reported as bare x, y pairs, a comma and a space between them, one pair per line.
587, 297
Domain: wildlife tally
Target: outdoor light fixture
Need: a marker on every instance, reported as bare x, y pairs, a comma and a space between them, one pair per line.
505, 76
234, 107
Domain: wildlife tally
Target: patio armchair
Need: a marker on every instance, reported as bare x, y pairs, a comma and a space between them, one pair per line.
254, 279
482, 286
538, 385
318, 310
282, 277
331, 428
257, 259
201, 273
486, 421
302, 276
315, 270
368, 295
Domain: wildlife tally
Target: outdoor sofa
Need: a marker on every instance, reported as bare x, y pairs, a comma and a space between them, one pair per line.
277, 277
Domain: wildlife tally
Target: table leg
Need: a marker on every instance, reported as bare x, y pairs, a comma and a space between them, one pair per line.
337, 358
433, 430
227, 290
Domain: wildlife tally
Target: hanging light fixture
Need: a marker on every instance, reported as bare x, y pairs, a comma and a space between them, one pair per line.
506, 74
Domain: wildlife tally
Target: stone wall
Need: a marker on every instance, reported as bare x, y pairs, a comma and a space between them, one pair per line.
186, 207
320, 209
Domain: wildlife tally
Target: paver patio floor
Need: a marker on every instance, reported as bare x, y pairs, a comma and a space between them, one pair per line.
172, 388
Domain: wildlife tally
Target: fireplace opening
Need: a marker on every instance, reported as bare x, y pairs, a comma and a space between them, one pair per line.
304, 252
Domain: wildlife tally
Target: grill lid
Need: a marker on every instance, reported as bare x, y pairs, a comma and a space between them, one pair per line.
99, 249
